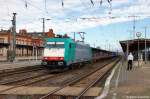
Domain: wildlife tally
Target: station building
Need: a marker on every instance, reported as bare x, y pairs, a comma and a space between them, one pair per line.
26, 42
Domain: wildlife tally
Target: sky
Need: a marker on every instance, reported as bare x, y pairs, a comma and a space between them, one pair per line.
105, 24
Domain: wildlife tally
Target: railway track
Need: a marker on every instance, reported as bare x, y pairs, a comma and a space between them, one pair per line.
5, 73
70, 75
31, 80
18, 75
25, 78
93, 82
40, 78
73, 81
28, 81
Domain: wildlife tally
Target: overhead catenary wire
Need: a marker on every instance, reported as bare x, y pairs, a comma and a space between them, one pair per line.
26, 4
87, 8
62, 3
110, 4
43, 11
101, 2
92, 2
30, 3
45, 4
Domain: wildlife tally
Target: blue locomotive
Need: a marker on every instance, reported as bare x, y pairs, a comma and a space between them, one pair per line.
65, 52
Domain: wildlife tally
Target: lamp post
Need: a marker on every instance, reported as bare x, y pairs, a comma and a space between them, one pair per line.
106, 46
43, 21
74, 36
127, 49
138, 34
43, 27
33, 51
145, 46
12, 52
36, 53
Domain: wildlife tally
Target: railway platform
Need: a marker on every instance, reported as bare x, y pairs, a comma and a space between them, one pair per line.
134, 84
20, 58
18, 64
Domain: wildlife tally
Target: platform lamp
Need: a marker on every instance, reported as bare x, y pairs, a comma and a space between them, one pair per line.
138, 34
145, 28
43, 22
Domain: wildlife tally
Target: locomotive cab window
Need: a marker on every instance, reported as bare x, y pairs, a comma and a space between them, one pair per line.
55, 45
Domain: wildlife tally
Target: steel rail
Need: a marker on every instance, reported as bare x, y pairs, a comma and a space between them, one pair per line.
92, 83
9, 73
74, 81
20, 85
33, 82
23, 79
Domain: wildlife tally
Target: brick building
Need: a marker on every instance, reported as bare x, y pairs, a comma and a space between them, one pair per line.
48, 34
27, 44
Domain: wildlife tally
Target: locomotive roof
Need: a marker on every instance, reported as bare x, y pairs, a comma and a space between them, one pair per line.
64, 39
58, 39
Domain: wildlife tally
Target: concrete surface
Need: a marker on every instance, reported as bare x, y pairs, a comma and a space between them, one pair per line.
67, 91
134, 84
18, 64
22, 58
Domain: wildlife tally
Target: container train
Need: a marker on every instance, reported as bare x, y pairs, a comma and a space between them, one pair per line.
65, 53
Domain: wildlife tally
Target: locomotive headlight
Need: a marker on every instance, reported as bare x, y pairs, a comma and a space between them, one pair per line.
60, 63
44, 63
45, 57
61, 58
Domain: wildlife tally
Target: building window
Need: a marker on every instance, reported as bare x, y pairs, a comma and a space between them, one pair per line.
1, 40
39, 34
21, 42
1, 51
16, 41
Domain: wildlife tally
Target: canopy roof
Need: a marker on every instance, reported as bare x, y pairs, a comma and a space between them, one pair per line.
133, 44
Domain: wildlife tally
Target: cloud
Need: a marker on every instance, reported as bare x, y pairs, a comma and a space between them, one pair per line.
137, 8
68, 18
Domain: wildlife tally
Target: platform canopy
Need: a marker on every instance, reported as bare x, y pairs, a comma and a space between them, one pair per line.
133, 44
